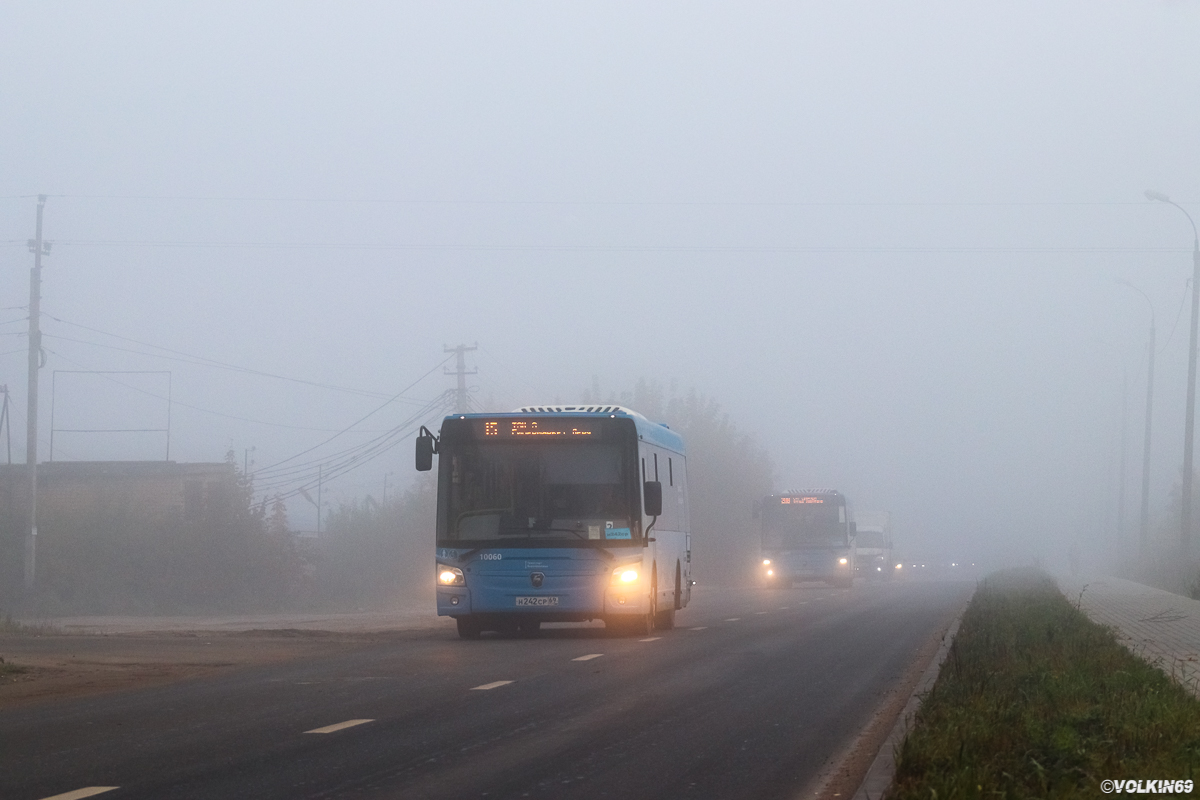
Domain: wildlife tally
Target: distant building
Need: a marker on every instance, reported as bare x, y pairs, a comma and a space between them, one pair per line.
143, 489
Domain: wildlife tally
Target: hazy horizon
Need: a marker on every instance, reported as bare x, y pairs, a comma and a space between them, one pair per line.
887, 240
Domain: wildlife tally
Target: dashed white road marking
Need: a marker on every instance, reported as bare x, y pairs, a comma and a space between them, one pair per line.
78, 794
733, 619
702, 627
341, 726
760, 612
491, 685
651, 639
588, 657
784, 608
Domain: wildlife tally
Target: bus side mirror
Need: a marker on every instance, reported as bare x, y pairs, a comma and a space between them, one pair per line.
426, 447
854, 529
652, 492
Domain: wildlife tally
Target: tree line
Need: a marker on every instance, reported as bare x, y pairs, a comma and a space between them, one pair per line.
372, 554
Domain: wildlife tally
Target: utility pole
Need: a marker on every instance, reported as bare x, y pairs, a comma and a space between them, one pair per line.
38, 248
1189, 432
1124, 437
460, 404
1146, 445
5, 423
1189, 425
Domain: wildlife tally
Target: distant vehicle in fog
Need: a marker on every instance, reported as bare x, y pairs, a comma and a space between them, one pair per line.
559, 514
807, 535
873, 544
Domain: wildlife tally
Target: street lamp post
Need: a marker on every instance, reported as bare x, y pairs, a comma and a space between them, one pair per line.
1185, 526
1145, 517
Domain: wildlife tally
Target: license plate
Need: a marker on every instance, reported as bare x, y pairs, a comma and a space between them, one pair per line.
537, 601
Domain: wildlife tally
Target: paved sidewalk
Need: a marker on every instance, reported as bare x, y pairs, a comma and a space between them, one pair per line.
1161, 627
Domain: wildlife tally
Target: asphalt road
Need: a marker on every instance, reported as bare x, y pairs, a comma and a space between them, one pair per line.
747, 698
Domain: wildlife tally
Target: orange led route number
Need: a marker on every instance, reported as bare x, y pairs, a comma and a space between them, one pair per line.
798, 500
533, 427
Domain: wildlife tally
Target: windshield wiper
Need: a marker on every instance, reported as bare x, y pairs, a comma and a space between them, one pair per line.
462, 558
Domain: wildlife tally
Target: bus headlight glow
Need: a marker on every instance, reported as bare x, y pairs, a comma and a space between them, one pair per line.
770, 572
766, 562
843, 561
450, 576
624, 575
898, 566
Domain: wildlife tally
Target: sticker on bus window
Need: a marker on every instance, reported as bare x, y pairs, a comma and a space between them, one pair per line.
593, 531
617, 533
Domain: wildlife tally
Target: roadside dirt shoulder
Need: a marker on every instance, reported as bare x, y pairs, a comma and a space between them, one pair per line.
42, 668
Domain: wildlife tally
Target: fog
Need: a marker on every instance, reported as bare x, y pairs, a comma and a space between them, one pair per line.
886, 238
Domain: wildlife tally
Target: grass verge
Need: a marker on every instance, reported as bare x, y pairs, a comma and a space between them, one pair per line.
1035, 700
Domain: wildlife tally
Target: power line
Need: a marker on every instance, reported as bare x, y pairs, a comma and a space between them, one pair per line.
338, 466
296, 472
281, 475
363, 419
615, 248
204, 361
180, 403
569, 202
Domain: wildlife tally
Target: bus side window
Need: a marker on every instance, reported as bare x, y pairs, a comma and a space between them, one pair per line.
670, 522
685, 522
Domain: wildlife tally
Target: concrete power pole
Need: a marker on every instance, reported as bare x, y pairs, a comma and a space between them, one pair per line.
5, 424
1124, 449
460, 403
1145, 516
38, 248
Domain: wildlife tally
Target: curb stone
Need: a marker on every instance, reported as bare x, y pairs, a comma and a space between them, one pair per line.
883, 768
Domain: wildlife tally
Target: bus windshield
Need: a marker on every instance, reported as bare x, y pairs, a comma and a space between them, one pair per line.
797, 526
523, 491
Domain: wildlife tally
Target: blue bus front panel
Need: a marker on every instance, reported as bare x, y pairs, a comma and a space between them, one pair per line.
545, 582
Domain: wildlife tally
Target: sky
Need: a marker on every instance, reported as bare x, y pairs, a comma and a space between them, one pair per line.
886, 237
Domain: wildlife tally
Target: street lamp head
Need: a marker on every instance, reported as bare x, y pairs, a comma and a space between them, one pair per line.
1159, 196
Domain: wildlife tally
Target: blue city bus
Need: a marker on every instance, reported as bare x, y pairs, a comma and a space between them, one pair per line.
559, 514
807, 535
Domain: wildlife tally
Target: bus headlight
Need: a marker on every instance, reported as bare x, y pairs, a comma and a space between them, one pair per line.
450, 576
766, 562
899, 566
623, 576
770, 573
843, 561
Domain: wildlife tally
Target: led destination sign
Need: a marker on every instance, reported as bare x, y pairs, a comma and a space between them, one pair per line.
795, 501
536, 428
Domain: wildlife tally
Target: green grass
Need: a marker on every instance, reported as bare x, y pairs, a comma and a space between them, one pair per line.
1036, 701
